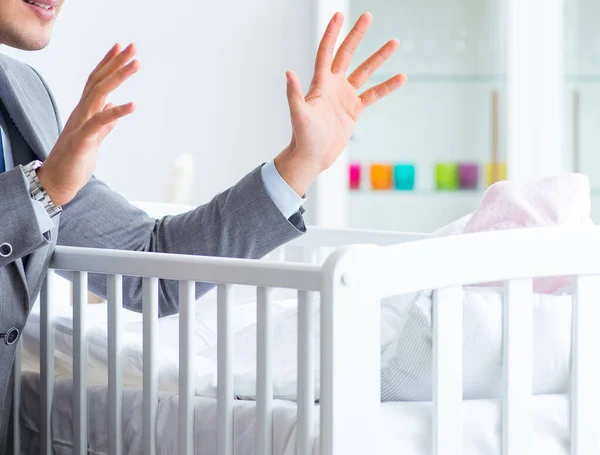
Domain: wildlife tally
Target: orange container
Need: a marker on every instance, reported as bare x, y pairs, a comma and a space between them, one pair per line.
382, 176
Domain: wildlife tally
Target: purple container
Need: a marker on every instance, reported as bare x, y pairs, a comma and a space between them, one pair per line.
468, 175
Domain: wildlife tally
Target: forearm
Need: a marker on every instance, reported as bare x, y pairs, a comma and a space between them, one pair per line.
240, 222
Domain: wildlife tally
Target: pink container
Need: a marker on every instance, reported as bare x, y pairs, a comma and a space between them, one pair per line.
468, 175
354, 176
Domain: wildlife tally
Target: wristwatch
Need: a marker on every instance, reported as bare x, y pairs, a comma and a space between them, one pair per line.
37, 190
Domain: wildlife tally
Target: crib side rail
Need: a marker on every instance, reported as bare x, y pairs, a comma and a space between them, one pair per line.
307, 279
487, 257
514, 258
330, 237
318, 243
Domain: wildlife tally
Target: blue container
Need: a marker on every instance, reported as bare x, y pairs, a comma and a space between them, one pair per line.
404, 177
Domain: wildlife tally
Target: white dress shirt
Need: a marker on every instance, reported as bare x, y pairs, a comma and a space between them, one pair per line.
284, 197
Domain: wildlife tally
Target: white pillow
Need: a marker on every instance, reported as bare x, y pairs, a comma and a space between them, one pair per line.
406, 373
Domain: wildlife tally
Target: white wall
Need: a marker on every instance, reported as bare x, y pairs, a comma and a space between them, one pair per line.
212, 83
582, 42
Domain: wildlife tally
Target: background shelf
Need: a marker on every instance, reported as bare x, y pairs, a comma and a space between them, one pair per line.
433, 78
573, 78
420, 210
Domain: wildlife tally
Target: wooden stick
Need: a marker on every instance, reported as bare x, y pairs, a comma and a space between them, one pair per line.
576, 128
495, 145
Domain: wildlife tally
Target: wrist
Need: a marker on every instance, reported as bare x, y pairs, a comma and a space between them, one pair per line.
297, 172
57, 197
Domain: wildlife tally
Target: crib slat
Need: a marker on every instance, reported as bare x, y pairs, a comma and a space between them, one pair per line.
187, 300
17, 401
306, 372
150, 383
46, 362
310, 255
301, 254
277, 255
115, 378
585, 371
264, 371
517, 327
225, 369
80, 413
447, 371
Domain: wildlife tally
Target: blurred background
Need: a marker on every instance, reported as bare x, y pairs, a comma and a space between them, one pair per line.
496, 89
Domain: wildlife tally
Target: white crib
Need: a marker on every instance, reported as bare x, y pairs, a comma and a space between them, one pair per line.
351, 282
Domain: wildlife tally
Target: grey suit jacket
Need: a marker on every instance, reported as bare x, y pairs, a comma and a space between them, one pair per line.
242, 221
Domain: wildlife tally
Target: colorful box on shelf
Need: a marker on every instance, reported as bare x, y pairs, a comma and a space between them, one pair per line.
495, 172
446, 176
354, 176
468, 176
404, 176
381, 176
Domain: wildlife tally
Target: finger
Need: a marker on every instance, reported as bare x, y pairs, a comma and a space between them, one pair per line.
382, 90
97, 97
113, 65
114, 51
327, 44
364, 71
294, 93
343, 56
107, 128
97, 123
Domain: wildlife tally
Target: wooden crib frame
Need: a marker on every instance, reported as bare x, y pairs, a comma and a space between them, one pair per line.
351, 282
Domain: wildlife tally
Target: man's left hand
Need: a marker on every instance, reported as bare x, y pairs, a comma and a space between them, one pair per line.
324, 119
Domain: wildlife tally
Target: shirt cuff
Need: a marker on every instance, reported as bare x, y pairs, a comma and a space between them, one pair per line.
44, 221
285, 198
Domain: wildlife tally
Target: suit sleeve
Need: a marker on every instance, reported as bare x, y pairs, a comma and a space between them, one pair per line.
20, 230
241, 222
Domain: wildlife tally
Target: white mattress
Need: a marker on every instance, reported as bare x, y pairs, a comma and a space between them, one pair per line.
405, 428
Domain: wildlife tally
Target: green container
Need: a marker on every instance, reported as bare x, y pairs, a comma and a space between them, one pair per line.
446, 176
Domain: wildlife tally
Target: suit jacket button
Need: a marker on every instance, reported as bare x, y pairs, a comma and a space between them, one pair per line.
11, 336
5, 250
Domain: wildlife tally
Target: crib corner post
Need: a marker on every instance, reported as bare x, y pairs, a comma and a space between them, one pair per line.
350, 351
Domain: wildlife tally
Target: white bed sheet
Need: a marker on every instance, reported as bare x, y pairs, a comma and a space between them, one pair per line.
405, 428
284, 356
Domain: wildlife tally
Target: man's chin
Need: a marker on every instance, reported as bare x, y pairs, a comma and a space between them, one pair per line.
28, 43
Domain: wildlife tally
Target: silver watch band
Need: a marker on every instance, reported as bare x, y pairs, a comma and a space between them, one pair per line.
37, 190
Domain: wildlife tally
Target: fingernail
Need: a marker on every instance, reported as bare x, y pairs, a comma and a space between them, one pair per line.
287, 79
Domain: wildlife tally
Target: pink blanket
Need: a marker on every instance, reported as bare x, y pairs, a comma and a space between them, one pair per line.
563, 200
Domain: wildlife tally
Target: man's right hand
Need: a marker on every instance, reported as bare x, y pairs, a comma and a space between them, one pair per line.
73, 159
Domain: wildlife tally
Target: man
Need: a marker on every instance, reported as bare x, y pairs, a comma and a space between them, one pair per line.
60, 202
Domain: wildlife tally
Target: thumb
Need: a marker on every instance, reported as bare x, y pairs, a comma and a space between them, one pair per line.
294, 93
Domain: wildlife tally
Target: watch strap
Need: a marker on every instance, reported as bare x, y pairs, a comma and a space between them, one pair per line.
37, 190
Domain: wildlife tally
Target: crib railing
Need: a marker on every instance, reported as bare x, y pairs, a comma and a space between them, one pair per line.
307, 278
350, 283
515, 258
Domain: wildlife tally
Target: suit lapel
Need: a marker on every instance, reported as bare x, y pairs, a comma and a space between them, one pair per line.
19, 105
